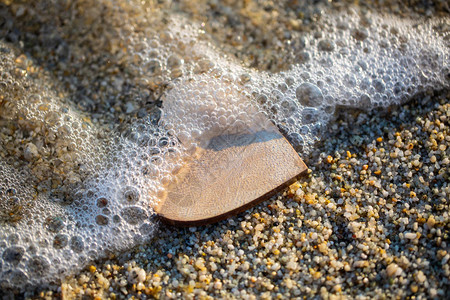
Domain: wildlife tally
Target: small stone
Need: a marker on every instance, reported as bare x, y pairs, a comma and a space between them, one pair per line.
361, 264
276, 266
218, 285
292, 265
420, 277
316, 275
136, 275
410, 235
299, 193
431, 221
199, 264
323, 248
140, 286
31, 152
393, 270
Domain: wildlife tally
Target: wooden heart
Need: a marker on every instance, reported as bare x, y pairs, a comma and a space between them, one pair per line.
229, 174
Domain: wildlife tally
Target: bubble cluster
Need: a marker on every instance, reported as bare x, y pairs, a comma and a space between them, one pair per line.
352, 60
359, 62
69, 193
72, 190
16, 194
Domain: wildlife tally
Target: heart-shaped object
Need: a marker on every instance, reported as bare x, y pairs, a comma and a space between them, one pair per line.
228, 174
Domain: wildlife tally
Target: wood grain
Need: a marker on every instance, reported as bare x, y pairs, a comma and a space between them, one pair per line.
230, 174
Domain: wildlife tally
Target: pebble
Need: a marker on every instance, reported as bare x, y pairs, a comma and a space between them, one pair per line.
393, 270
361, 264
410, 235
431, 221
420, 277
218, 285
31, 152
136, 275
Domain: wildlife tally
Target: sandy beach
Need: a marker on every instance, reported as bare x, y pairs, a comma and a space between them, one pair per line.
348, 230
370, 220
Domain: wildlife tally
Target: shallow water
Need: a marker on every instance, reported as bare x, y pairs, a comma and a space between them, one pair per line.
82, 161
